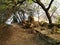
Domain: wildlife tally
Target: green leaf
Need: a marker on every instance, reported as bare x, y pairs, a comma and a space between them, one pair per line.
58, 32
47, 1
2, 7
30, 1
53, 8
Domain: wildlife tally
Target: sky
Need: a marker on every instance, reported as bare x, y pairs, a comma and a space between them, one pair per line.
58, 1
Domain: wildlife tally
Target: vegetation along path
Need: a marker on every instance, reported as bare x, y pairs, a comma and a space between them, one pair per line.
16, 35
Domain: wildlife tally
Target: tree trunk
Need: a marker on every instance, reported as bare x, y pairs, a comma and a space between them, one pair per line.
45, 9
49, 17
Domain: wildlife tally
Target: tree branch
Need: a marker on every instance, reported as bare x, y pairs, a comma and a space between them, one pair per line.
50, 4
15, 5
20, 2
34, 1
46, 9
41, 4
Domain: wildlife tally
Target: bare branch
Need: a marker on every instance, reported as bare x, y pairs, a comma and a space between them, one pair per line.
41, 4
20, 2
50, 4
46, 9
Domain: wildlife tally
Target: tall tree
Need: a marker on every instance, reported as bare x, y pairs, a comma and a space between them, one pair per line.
45, 9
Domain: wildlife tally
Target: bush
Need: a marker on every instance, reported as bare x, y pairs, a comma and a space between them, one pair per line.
58, 20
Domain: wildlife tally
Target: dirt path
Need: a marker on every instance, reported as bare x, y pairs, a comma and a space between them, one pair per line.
15, 35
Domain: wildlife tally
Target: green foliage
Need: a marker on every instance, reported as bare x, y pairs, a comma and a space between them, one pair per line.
53, 8
58, 31
58, 20
47, 2
2, 7
0, 20
30, 1
5, 4
42, 22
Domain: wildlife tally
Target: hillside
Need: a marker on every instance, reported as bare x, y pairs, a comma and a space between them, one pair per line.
16, 35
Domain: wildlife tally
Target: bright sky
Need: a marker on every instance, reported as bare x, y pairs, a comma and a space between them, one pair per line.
58, 1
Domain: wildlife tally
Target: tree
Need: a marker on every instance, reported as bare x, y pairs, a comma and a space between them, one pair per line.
14, 5
7, 7
45, 9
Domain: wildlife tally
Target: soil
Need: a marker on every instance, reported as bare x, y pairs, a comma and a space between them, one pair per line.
14, 34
